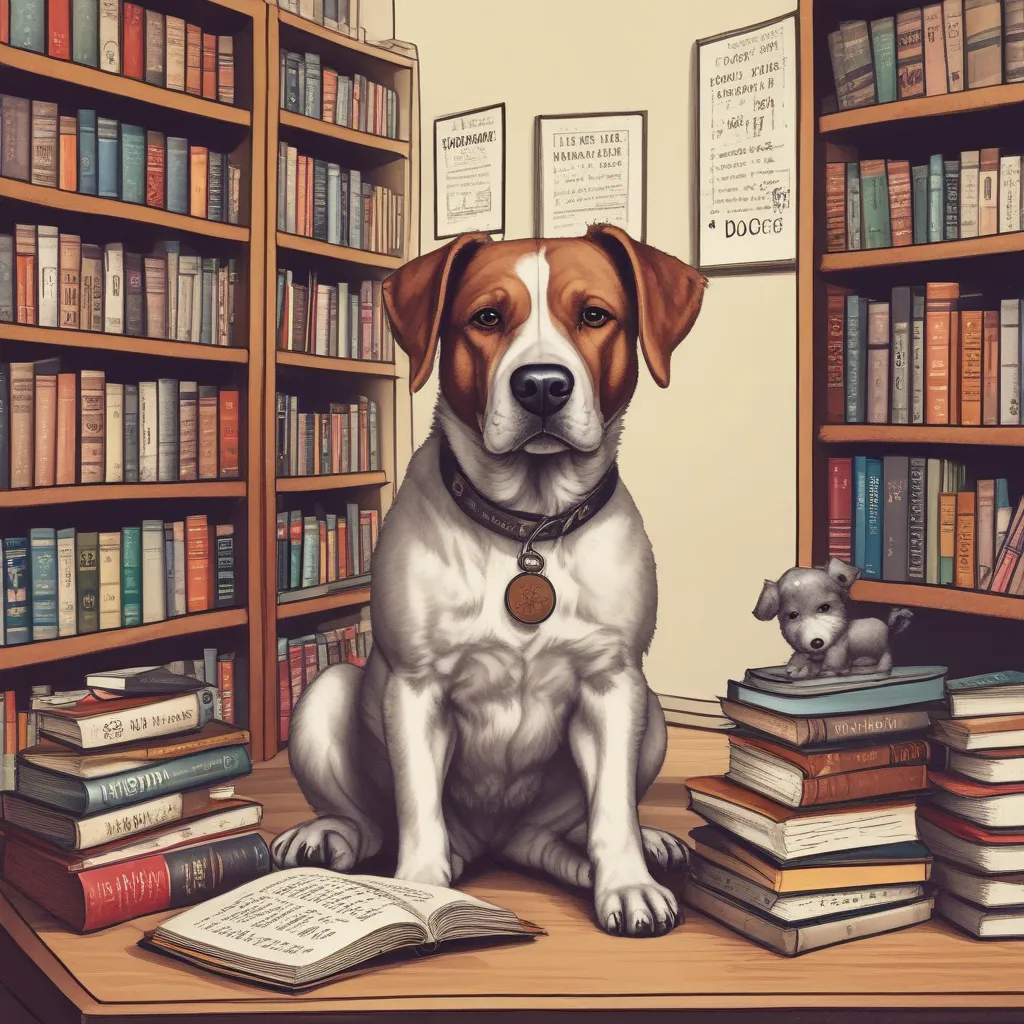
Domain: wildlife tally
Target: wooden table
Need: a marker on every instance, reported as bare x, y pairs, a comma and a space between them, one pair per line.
50, 976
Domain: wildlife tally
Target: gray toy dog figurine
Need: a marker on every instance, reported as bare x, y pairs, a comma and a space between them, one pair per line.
811, 608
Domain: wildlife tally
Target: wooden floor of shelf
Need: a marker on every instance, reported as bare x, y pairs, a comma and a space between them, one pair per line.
76, 202
299, 243
931, 252
918, 595
327, 603
336, 481
120, 85
46, 651
366, 367
367, 140
30, 497
347, 43
891, 433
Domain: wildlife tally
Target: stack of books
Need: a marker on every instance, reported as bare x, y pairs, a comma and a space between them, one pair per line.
812, 838
126, 805
974, 822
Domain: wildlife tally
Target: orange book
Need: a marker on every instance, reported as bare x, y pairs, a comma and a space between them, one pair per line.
198, 173
940, 301
228, 435
330, 95
5, 21
132, 41
10, 723
835, 206
58, 20
209, 66
67, 418
965, 534
45, 430
226, 687
990, 369
901, 216
67, 179
970, 367
955, 362
193, 60
22, 730
207, 432
197, 564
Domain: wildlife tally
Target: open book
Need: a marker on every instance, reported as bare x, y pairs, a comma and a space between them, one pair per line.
301, 927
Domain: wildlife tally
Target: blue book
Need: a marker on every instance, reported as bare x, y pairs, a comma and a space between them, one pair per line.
936, 186
860, 509
919, 188
43, 551
28, 25
855, 359
133, 164
131, 576
87, 180
93, 795
85, 32
355, 210
107, 158
17, 629
177, 174
986, 681
873, 542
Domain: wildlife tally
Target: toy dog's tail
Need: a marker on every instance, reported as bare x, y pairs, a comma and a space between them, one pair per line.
899, 619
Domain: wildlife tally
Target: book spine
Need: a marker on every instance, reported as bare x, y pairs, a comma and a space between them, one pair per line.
17, 623
916, 521
198, 555
154, 591
110, 580
67, 603
225, 596
167, 437
874, 535
895, 518
965, 539
93, 426
1009, 362
88, 582
951, 200
990, 368
114, 434
228, 431
131, 433
986, 532
43, 550
859, 785
131, 576
843, 728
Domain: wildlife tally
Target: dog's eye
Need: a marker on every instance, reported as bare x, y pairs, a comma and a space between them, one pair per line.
487, 318
824, 607
794, 615
594, 316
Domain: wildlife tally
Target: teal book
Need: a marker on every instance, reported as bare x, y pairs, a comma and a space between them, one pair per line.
873, 542
874, 199
85, 32
839, 695
131, 576
43, 552
951, 200
133, 164
883, 46
107, 162
860, 509
17, 625
87, 180
352, 517
936, 188
853, 232
919, 190
28, 25
177, 174
93, 795
855, 359
310, 551
985, 681
295, 545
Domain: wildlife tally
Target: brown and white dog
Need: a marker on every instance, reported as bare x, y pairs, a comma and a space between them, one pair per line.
471, 732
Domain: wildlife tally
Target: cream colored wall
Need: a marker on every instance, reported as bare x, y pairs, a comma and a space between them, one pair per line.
711, 462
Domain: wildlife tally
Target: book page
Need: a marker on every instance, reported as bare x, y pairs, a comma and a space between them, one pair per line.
292, 918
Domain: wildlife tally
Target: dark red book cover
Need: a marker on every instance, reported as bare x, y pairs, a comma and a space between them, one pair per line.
58, 21
132, 42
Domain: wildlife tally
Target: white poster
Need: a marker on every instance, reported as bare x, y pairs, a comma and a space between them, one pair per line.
591, 169
747, 153
469, 172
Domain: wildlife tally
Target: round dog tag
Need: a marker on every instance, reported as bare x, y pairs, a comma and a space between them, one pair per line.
530, 597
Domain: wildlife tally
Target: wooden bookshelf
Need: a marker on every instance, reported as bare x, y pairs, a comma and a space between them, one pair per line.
243, 127
389, 162
889, 433
903, 255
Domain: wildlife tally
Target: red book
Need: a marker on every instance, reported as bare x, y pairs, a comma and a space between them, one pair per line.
197, 564
968, 831
209, 66
840, 509
132, 41
284, 694
5, 21
193, 60
226, 687
228, 435
58, 20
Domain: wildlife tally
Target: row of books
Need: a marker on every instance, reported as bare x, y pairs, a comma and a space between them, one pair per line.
338, 15
322, 93
878, 204
345, 439
907, 519
332, 319
930, 355
301, 659
812, 835
321, 549
318, 199
61, 583
98, 156
126, 805
930, 50
58, 429
126, 39
52, 279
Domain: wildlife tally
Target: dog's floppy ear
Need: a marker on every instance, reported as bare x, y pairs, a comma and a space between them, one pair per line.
668, 296
414, 299
767, 606
842, 573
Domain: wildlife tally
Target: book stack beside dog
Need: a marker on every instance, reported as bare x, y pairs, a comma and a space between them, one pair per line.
974, 820
126, 804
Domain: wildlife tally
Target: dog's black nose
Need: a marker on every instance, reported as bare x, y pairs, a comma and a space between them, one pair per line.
542, 388
817, 643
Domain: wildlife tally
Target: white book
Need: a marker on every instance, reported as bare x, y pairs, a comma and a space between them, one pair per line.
179, 569
342, 346
110, 36
323, 311
1009, 193
172, 294
48, 244
333, 204
936, 78
114, 473
113, 295
196, 319
154, 590
291, 180
110, 580
969, 193
1009, 362
148, 426
988, 201
953, 17
67, 603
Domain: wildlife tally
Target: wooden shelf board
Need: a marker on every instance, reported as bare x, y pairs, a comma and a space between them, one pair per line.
120, 85
327, 603
346, 43
337, 481
839, 433
299, 243
122, 343
917, 595
111, 639
32, 496
336, 131
77, 203
923, 106
365, 367
903, 254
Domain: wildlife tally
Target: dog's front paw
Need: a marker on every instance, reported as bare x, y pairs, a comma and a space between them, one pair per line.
428, 871
638, 910
324, 842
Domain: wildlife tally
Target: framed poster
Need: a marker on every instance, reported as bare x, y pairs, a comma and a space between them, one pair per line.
469, 172
591, 169
747, 132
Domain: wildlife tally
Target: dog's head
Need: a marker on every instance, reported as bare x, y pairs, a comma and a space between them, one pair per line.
539, 337
810, 605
